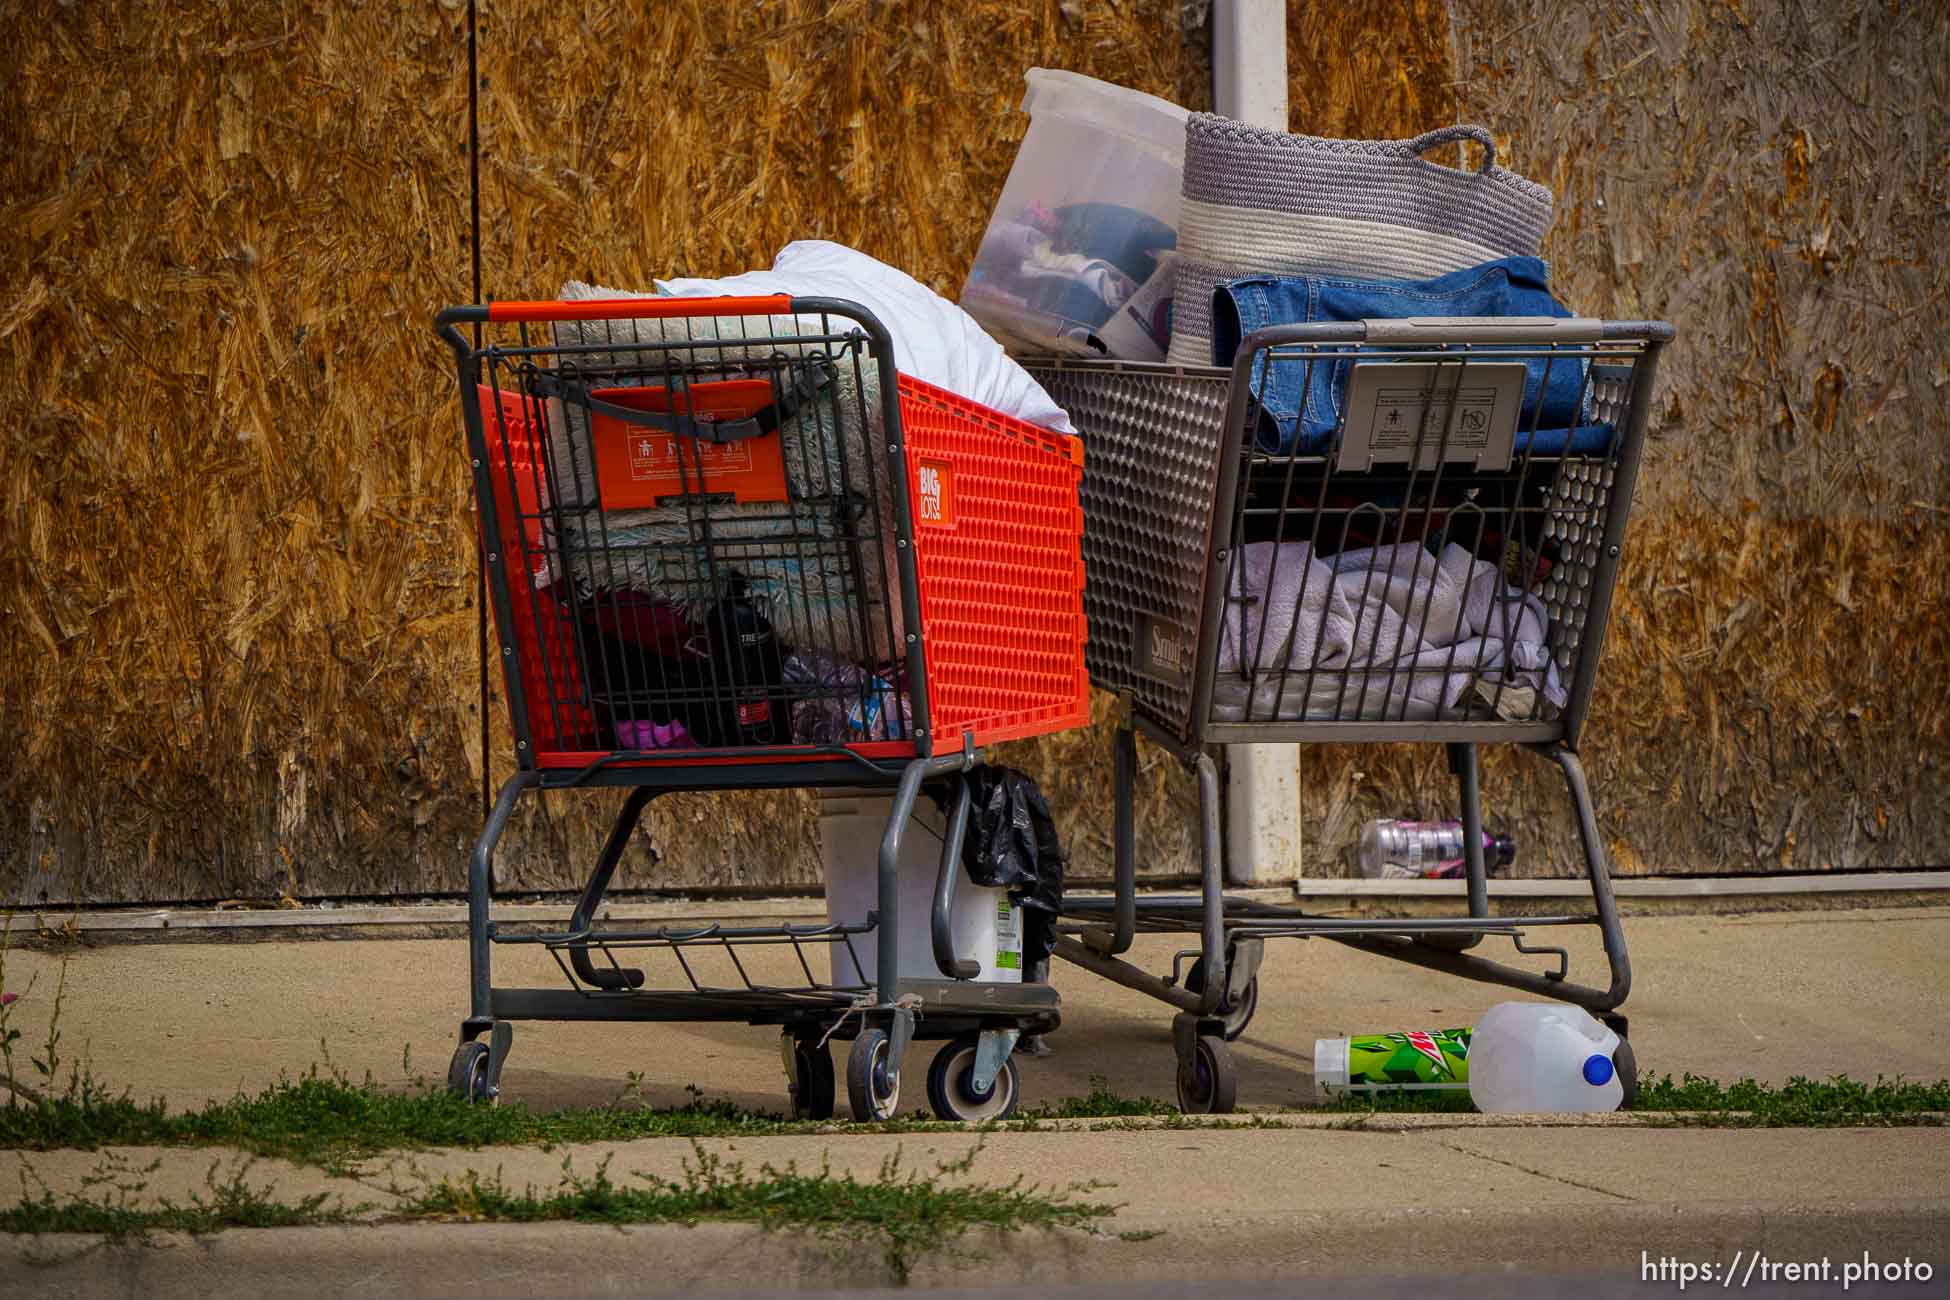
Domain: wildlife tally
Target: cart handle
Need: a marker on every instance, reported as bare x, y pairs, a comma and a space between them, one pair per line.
1485, 329
651, 308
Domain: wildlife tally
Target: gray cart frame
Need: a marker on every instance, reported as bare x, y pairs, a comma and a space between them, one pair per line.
1170, 469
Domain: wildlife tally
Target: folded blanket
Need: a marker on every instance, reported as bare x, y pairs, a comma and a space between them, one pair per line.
934, 340
1386, 633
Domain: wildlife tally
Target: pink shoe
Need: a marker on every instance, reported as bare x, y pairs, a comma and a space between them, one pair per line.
644, 734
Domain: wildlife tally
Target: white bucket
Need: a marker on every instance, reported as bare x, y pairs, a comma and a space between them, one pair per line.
987, 926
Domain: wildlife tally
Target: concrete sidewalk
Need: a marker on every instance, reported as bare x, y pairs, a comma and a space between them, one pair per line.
1193, 1205
1770, 995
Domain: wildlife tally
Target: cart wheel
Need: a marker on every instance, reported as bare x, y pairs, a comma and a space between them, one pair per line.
1626, 1062
1236, 1017
809, 1067
872, 1089
467, 1073
1207, 1083
951, 1084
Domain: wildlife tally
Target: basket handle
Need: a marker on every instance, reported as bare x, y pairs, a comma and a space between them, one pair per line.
807, 381
701, 426
1428, 140
653, 308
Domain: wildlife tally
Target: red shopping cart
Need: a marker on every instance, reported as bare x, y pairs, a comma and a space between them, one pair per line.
729, 547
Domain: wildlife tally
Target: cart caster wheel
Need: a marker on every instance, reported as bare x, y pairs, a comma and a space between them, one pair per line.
872, 1088
809, 1069
1236, 1017
1626, 1062
467, 1073
1208, 1084
951, 1085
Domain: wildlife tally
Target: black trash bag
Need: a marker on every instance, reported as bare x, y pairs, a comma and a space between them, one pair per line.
1012, 844
649, 660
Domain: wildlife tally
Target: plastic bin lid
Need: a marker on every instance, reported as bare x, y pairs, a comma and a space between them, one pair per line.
1133, 114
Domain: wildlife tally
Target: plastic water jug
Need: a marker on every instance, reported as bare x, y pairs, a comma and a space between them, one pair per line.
1543, 1056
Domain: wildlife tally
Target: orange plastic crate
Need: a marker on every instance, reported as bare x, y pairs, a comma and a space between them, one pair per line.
640, 467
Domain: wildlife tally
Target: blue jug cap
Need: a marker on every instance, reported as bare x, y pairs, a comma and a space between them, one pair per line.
1597, 1070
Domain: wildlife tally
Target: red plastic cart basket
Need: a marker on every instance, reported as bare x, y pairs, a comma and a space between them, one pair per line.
976, 552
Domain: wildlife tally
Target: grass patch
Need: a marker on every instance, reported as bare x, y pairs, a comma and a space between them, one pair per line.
904, 1214
109, 1203
907, 1214
1798, 1103
1101, 1102
322, 1118
330, 1121
1445, 1102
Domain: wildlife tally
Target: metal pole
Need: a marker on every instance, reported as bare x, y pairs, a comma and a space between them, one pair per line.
1249, 83
1249, 61
474, 247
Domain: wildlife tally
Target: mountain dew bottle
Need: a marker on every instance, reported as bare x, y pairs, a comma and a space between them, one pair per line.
1418, 1060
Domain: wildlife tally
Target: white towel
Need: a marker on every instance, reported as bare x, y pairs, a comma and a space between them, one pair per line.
1391, 633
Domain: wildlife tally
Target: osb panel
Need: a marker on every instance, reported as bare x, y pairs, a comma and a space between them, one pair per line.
237, 655
1773, 179
1365, 72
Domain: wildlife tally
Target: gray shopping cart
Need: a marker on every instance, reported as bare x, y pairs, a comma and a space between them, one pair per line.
1390, 530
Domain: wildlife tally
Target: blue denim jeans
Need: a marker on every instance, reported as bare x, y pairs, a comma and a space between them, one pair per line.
1300, 404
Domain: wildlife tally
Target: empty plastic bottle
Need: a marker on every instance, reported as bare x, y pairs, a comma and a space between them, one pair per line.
1544, 1056
1423, 849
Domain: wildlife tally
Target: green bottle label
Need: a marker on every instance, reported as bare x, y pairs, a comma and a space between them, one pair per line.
1008, 939
1417, 1059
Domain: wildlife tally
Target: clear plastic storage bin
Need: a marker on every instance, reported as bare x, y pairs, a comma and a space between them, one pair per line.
1077, 257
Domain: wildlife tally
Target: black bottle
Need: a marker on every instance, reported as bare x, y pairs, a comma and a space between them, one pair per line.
749, 666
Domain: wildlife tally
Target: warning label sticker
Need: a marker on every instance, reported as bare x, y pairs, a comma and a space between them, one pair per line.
1462, 409
654, 456
1464, 416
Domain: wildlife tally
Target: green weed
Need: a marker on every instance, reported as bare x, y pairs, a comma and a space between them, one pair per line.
1101, 1102
109, 1204
1798, 1103
907, 1214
